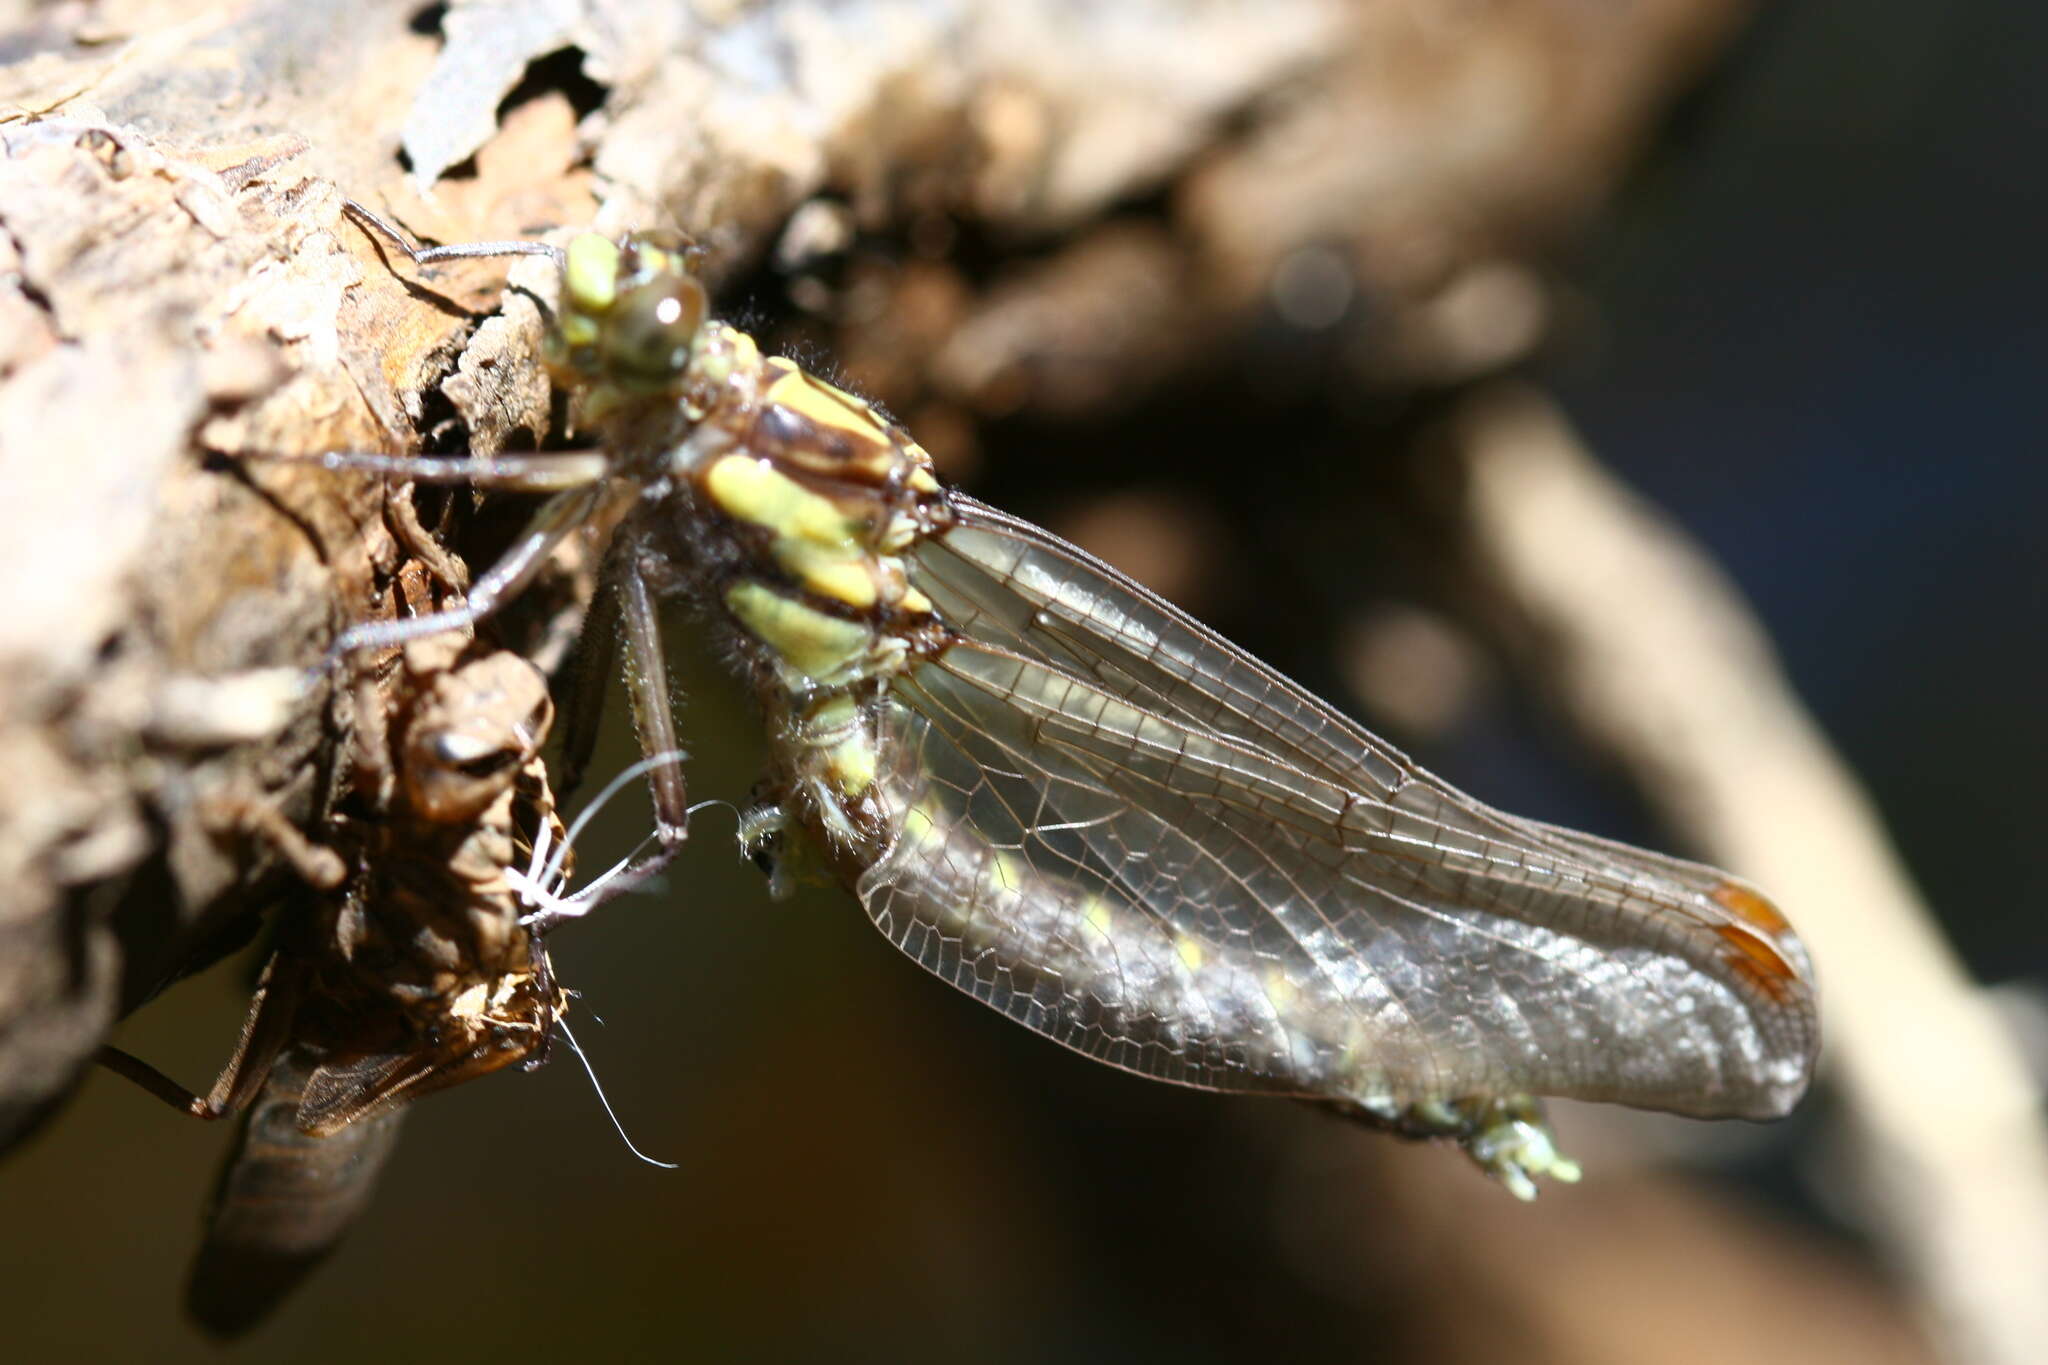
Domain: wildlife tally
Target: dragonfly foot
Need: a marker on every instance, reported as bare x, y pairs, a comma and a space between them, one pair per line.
1514, 1144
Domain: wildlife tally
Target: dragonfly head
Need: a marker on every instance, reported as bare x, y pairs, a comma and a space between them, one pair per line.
631, 312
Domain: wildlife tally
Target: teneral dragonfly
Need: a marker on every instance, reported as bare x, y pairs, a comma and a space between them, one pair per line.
1067, 798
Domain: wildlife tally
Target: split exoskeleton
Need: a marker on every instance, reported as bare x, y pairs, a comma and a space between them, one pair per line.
408, 965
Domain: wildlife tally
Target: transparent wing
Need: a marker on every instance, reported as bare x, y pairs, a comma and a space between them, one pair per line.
1128, 835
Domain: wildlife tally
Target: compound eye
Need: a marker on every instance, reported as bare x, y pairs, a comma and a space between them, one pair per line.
653, 326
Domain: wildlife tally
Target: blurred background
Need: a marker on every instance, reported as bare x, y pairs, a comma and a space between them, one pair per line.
1811, 330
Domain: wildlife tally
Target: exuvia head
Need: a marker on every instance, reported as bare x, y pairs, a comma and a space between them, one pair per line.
470, 735
630, 312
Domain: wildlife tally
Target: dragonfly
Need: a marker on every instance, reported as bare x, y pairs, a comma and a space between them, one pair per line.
1070, 800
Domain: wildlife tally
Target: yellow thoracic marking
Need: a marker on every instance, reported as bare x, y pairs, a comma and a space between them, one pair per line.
755, 491
840, 577
813, 539
915, 602
1190, 952
818, 402
807, 640
591, 275
898, 534
833, 409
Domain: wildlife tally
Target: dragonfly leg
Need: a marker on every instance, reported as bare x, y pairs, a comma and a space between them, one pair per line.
623, 619
316, 864
549, 528
553, 472
130, 1067
265, 1030
459, 251
419, 542
647, 687
590, 671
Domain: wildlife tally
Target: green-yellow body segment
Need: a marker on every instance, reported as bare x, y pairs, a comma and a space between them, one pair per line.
810, 536
752, 490
818, 648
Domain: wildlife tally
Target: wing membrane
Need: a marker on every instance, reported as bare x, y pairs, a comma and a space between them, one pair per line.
1134, 838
